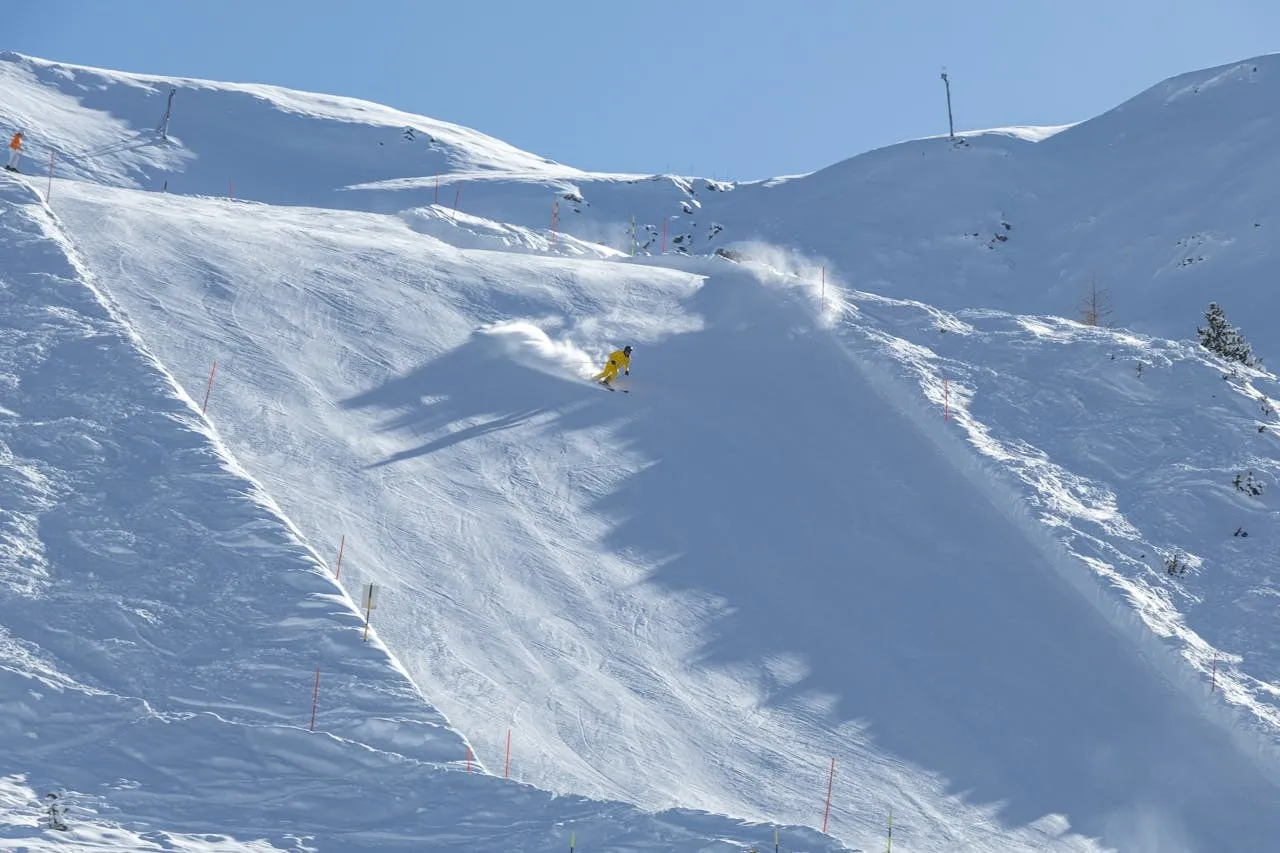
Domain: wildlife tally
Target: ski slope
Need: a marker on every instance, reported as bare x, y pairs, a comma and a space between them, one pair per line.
632, 584
162, 621
774, 552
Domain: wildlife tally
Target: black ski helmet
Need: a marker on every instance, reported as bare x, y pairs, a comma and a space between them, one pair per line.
627, 349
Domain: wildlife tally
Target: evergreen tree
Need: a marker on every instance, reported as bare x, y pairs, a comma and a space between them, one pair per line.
1220, 338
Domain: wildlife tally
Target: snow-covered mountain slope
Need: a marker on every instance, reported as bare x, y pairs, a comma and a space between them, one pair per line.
284, 146
774, 551
280, 146
161, 624
1166, 195
1167, 199
1129, 449
694, 594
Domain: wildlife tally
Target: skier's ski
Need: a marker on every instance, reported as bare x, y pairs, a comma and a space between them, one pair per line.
611, 388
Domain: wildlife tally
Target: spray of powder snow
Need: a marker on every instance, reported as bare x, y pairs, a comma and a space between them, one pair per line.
815, 277
530, 345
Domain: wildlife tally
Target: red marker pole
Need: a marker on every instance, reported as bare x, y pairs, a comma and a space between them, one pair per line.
337, 574
506, 769
1213, 677
457, 195
48, 192
468, 759
210, 388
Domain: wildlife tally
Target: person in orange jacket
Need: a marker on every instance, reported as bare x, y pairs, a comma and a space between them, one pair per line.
617, 359
15, 151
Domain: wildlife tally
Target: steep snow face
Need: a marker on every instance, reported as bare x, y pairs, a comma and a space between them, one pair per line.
697, 593
1150, 460
163, 626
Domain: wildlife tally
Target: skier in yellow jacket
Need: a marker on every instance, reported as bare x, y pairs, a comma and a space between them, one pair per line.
617, 359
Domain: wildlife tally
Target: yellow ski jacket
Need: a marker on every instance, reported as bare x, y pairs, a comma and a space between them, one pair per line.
621, 359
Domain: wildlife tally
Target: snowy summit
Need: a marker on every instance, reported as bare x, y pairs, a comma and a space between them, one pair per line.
940, 510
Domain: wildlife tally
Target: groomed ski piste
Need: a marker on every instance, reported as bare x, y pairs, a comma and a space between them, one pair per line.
875, 501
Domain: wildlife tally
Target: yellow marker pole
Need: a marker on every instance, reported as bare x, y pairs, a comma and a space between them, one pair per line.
572, 837
775, 839
889, 849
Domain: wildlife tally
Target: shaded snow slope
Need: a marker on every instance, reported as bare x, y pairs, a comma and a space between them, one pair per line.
161, 623
1128, 448
696, 593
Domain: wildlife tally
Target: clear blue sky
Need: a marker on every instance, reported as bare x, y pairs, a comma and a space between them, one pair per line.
737, 89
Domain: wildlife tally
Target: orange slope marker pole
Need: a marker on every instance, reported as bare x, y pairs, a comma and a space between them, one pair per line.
338, 573
208, 389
